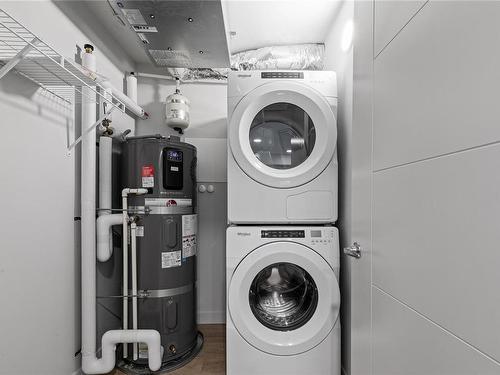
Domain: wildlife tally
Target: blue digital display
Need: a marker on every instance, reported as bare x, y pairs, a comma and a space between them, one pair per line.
174, 155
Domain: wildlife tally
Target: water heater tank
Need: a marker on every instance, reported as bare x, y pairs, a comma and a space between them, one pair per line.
167, 240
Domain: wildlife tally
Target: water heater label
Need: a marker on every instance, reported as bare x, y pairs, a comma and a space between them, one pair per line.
189, 229
148, 176
139, 232
171, 259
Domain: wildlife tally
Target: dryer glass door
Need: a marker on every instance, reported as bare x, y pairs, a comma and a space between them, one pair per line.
283, 298
283, 134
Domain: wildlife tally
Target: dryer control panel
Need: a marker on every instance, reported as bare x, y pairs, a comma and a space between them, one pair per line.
282, 234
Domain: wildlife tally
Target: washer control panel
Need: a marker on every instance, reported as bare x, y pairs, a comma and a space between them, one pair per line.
282, 234
321, 236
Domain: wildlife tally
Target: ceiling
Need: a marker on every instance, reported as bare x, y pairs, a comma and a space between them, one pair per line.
259, 23
249, 24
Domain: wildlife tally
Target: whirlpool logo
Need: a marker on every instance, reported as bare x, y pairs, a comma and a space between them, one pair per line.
244, 233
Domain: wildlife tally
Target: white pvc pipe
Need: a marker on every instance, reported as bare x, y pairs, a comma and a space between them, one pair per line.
90, 363
88, 200
132, 87
104, 224
125, 193
111, 338
133, 256
125, 266
105, 187
129, 103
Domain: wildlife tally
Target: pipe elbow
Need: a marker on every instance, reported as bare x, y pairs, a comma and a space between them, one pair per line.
103, 234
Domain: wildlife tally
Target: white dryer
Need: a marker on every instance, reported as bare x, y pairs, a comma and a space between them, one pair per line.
282, 154
283, 301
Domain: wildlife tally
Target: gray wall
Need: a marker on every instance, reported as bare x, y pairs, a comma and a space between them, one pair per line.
208, 133
436, 200
39, 260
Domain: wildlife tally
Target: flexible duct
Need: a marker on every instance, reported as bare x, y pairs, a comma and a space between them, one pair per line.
292, 57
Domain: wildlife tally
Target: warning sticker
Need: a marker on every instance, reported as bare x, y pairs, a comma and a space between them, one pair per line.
189, 229
171, 259
139, 231
148, 176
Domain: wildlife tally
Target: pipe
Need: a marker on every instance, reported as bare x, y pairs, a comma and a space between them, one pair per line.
104, 237
125, 193
112, 338
118, 94
105, 187
125, 267
90, 363
132, 86
133, 255
88, 247
129, 103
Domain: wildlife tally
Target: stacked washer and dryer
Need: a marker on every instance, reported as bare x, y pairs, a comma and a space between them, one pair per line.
282, 250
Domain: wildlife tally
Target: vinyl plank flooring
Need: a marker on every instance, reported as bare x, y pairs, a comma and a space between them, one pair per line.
212, 358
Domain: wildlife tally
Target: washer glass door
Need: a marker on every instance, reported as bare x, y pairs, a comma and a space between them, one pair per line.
283, 298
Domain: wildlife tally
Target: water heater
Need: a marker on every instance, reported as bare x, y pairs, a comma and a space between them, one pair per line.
166, 240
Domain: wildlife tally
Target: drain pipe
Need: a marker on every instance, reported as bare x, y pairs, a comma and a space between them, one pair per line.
105, 219
90, 363
133, 256
125, 193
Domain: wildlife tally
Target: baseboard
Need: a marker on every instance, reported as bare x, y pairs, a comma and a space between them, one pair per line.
211, 317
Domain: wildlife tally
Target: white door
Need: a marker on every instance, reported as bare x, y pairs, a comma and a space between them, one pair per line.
284, 298
281, 134
426, 203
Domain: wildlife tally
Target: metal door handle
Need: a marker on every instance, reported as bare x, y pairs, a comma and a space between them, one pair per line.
353, 251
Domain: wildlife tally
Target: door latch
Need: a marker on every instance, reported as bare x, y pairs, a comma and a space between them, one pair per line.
353, 251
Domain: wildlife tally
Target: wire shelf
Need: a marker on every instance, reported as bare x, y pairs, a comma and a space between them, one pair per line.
64, 79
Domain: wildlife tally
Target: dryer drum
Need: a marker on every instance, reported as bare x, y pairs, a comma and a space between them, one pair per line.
283, 297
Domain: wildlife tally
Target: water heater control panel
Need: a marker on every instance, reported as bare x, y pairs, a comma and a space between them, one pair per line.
173, 171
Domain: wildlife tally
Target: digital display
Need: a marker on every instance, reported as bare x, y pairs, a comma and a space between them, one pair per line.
315, 233
282, 234
293, 75
174, 155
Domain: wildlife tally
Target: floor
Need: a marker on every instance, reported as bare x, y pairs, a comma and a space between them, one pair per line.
212, 358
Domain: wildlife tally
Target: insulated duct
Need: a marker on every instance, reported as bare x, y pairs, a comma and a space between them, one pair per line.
291, 57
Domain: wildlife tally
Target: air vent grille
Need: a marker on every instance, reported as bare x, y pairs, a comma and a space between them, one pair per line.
170, 58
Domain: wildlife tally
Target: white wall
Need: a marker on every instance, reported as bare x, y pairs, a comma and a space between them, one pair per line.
341, 61
435, 189
208, 133
39, 259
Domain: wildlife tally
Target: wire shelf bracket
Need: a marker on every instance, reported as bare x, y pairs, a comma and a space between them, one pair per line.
26, 54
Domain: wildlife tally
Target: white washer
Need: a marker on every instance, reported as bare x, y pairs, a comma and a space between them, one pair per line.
283, 301
282, 154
